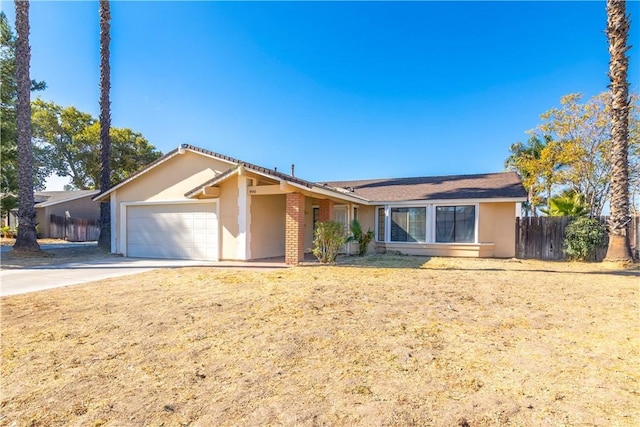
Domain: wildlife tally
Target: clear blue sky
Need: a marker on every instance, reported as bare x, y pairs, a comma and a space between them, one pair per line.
343, 90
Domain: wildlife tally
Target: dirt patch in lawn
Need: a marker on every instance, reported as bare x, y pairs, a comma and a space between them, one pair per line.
391, 341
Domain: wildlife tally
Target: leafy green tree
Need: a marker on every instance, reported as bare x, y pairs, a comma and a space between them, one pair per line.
574, 153
60, 130
582, 129
8, 124
73, 138
617, 33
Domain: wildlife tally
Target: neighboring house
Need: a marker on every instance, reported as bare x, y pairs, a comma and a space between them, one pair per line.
196, 204
75, 204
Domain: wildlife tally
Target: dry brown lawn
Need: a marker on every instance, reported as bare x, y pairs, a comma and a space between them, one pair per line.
379, 341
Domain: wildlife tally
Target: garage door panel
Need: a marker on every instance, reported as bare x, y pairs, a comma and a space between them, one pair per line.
181, 231
145, 238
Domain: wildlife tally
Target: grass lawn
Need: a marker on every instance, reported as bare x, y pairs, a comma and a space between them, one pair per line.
378, 341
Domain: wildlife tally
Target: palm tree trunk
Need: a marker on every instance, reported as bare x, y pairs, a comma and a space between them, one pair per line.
26, 239
617, 32
104, 240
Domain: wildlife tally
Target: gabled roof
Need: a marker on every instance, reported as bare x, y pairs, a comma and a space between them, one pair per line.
43, 199
234, 162
213, 181
502, 185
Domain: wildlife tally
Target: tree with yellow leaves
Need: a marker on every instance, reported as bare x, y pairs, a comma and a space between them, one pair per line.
574, 153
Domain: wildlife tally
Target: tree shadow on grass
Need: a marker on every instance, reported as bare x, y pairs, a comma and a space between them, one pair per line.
474, 264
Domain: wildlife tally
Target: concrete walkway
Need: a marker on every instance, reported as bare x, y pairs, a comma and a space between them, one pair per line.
32, 279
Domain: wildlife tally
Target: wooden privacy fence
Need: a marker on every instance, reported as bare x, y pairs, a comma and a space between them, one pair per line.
543, 237
73, 229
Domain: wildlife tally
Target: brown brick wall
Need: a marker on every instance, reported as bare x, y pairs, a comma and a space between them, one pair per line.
326, 210
294, 238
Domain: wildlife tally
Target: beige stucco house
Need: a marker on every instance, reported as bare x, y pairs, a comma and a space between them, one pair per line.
197, 204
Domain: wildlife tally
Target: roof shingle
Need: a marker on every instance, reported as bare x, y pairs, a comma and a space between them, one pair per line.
479, 186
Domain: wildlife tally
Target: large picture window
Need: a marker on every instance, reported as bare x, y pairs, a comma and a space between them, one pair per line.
455, 224
381, 225
408, 224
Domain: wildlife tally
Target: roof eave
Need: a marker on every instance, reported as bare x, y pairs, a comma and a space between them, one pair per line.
451, 201
46, 203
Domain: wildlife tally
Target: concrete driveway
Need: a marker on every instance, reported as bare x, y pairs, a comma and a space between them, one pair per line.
32, 279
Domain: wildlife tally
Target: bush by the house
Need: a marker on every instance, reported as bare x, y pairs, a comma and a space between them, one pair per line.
328, 239
363, 238
582, 237
8, 232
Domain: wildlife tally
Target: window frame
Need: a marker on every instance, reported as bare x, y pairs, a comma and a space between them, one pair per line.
384, 224
409, 225
476, 212
315, 209
430, 212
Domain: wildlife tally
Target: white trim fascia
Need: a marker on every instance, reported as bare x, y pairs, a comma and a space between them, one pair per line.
125, 205
431, 225
329, 193
419, 203
313, 189
387, 223
112, 218
46, 204
477, 223
168, 202
376, 223
123, 228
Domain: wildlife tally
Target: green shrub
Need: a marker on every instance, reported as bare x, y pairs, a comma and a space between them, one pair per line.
4, 231
582, 238
328, 239
357, 235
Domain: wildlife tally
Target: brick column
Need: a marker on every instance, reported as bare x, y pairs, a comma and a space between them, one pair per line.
326, 210
294, 225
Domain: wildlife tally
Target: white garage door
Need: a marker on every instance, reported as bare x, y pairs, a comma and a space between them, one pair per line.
179, 231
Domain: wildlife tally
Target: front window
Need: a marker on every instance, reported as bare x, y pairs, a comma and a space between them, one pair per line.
381, 224
455, 224
316, 218
408, 224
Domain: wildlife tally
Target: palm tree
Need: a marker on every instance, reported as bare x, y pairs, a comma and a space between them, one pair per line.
567, 205
524, 160
26, 239
104, 240
617, 32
